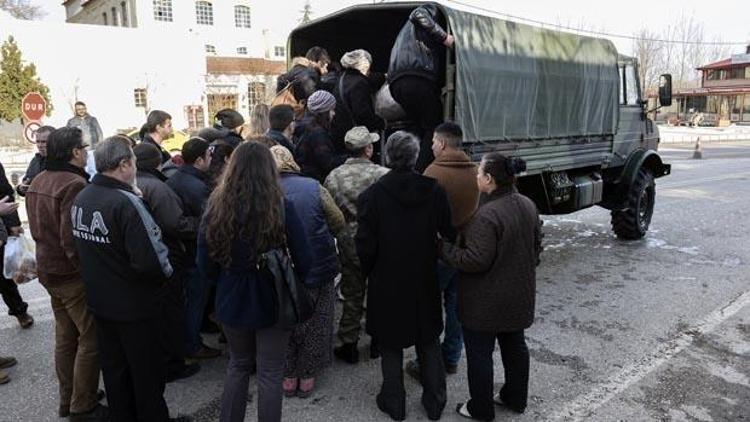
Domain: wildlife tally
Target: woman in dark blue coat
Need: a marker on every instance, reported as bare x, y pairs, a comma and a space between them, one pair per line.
311, 345
244, 217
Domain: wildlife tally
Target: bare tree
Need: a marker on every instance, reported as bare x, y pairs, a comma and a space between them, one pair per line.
22, 9
648, 52
684, 49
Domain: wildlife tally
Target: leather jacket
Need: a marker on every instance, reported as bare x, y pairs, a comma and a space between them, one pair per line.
416, 47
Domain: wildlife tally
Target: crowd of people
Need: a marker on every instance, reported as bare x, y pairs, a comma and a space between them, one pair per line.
144, 252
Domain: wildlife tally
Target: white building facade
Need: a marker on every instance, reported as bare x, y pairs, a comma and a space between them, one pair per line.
111, 71
228, 28
244, 56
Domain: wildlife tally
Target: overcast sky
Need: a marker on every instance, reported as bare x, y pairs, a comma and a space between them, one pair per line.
728, 19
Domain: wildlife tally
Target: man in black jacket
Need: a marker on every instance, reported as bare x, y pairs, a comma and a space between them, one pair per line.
190, 183
16, 306
39, 162
157, 129
413, 74
124, 266
281, 119
166, 208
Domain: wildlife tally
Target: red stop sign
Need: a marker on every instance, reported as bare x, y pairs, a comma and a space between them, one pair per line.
33, 106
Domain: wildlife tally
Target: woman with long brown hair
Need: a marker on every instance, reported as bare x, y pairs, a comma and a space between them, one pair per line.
246, 215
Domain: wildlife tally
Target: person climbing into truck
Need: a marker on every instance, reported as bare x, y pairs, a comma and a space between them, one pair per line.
413, 74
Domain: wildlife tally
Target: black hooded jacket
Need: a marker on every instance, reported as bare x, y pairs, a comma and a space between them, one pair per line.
400, 217
417, 46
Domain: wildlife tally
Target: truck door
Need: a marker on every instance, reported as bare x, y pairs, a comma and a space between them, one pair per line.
631, 131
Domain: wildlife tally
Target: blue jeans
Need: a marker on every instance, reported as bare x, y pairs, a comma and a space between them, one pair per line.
452, 337
196, 296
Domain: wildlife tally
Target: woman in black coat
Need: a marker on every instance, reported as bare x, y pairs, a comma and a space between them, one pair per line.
357, 87
400, 218
497, 262
315, 152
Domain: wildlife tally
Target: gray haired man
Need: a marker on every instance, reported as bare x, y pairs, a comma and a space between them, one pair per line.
124, 265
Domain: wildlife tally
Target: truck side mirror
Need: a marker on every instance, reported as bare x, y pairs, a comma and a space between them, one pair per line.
665, 90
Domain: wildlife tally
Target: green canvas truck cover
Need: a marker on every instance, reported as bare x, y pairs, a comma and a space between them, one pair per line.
513, 82
517, 82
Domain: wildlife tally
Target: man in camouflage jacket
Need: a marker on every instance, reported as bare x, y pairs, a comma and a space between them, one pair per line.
345, 184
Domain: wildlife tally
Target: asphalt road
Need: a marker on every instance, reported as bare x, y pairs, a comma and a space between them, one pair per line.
657, 329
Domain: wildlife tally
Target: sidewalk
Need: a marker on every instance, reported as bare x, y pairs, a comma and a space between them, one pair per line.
682, 134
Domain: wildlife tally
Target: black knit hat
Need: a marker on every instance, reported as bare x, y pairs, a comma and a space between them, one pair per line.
147, 156
229, 118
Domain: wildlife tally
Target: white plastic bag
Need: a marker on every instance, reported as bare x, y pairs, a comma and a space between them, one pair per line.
386, 107
19, 262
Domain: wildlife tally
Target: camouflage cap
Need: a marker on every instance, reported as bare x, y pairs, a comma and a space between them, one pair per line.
360, 137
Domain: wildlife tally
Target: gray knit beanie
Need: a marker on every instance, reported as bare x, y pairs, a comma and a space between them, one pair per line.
321, 102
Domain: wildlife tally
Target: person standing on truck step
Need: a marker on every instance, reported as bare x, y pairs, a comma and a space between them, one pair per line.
124, 265
497, 259
357, 86
413, 74
455, 172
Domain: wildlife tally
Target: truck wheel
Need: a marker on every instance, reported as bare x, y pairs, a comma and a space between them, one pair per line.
632, 222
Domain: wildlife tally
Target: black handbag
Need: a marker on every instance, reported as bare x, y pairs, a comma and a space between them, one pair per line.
294, 305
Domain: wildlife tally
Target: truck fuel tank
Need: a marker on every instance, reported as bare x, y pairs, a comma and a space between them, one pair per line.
588, 190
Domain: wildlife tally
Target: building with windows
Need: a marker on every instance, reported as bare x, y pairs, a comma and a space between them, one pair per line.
723, 97
120, 85
229, 27
243, 57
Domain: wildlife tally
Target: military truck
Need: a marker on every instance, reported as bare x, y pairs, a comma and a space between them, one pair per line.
569, 105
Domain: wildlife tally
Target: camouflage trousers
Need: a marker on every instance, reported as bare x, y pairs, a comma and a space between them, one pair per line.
353, 288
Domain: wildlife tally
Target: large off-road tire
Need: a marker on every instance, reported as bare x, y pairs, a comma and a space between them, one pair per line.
632, 222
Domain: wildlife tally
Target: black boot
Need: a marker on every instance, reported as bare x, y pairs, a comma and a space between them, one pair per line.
374, 350
347, 352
